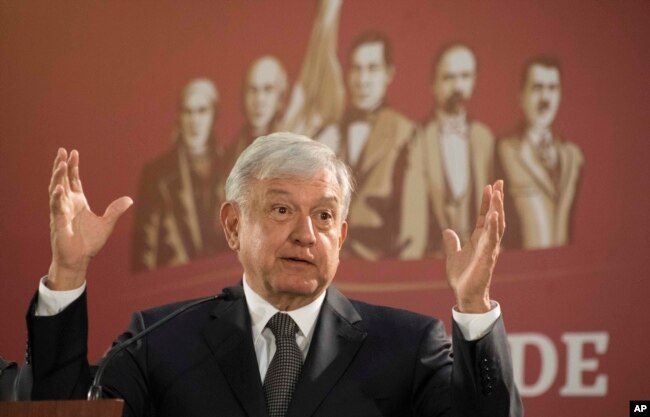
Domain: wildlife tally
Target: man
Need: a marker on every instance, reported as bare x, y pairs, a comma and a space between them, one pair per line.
314, 101
542, 168
181, 191
264, 99
455, 156
285, 218
373, 139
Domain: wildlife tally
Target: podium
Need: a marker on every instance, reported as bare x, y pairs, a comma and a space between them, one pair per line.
69, 408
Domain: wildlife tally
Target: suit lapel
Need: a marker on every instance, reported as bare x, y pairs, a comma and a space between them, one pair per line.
229, 338
479, 147
436, 176
381, 140
336, 340
537, 172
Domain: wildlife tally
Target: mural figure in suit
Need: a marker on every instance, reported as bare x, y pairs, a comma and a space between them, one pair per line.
542, 168
373, 138
316, 100
181, 191
454, 157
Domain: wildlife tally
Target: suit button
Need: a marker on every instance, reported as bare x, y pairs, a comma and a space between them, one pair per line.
487, 389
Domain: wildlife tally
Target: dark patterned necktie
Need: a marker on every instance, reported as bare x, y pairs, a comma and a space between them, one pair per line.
285, 367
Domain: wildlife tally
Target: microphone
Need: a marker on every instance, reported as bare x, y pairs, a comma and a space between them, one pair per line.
228, 294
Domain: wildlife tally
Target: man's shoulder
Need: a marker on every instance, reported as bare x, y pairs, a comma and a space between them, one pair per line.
392, 317
161, 165
395, 116
157, 313
480, 130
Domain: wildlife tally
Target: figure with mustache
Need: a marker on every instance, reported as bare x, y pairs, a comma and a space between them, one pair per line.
453, 159
543, 170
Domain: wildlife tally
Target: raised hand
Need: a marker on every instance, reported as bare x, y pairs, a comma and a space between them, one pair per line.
76, 233
469, 269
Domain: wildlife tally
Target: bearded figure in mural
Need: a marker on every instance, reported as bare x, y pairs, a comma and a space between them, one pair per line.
181, 191
542, 169
455, 159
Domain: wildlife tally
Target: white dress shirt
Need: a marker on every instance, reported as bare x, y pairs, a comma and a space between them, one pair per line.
261, 312
455, 152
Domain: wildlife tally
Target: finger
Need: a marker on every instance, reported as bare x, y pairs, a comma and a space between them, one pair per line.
73, 171
56, 200
493, 235
116, 209
57, 176
485, 206
450, 241
499, 185
499, 209
61, 155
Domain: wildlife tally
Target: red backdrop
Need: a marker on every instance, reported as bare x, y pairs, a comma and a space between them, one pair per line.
104, 77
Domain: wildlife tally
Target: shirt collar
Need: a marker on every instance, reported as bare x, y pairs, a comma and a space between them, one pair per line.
453, 123
261, 312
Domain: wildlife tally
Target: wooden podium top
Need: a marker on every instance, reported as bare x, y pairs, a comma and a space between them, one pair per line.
69, 408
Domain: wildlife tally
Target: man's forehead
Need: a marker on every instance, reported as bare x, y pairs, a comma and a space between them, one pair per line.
458, 59
325, 185
264, 73
369, 52
542, 74
196, 99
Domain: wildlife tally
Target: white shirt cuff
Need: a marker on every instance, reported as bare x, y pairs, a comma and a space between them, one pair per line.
52, 302
475, 326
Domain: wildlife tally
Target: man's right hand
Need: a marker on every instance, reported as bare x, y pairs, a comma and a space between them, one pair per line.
76, 233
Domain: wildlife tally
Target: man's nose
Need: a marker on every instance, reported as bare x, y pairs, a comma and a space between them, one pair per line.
303, 232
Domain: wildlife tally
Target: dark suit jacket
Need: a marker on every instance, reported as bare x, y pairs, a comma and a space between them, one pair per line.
364, 360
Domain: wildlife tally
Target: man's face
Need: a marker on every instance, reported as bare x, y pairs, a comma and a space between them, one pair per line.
541, 95
454, 81
290, 236
196, 117
263, 95
368, 76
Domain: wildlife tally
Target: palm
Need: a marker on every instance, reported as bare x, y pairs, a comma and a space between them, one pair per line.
469, 269
77, 234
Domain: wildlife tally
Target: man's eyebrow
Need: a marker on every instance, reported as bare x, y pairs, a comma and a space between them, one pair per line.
329, 199
273, 192
277, 191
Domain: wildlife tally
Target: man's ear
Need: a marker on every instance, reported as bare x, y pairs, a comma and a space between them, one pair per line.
230, 220
344, 233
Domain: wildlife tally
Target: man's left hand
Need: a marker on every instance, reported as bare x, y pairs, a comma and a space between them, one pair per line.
470, 268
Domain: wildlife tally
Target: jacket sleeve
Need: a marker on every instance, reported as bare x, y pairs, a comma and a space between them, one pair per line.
482, 378
57, 351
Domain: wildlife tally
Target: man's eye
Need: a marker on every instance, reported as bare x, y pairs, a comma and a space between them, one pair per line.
281, 210
325, 216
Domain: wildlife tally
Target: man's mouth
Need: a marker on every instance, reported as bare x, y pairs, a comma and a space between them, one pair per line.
298, 260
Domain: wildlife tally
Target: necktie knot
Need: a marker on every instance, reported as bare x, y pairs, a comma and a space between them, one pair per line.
282, 325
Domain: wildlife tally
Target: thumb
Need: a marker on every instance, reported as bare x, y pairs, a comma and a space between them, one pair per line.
450, 241
116, 208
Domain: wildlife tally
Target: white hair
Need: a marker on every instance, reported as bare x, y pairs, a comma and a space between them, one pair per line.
286, 155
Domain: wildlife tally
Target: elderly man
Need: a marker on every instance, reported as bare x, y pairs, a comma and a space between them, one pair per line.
181, 191
542, 168
456, 157
293, 344
314, 101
